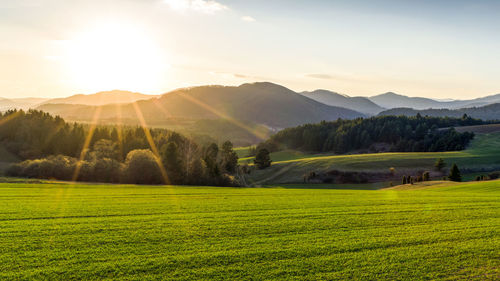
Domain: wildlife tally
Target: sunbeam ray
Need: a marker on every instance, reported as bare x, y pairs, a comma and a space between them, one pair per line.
225, 116
86, 143
151, 142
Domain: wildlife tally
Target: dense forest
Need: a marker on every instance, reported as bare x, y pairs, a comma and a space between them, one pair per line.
387, 133
53, 148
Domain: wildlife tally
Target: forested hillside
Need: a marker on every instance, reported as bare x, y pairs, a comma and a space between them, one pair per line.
53, 148
388, 133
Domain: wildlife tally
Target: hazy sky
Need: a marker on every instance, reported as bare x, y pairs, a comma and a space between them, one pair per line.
438, 49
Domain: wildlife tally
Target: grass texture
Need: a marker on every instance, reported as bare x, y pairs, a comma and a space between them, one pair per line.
112, 232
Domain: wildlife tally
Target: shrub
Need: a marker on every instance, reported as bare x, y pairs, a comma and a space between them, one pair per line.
494, 175
141, 167
53, 167
426, 176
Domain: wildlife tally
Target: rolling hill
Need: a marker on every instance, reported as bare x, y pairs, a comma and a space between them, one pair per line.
392, 100
259, 103
478, 102
488, 112
20, 103
101, 98
290, 166
360, 104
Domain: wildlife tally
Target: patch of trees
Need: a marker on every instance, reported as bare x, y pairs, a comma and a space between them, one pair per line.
262, 159
425, 176
54, 149
490, 176
396, 133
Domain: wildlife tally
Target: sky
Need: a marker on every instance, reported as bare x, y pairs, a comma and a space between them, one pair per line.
437, 49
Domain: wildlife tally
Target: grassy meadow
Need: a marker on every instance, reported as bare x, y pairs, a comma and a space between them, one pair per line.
125, 232
290, 166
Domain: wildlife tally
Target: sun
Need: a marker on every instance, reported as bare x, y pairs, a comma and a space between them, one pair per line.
114, 56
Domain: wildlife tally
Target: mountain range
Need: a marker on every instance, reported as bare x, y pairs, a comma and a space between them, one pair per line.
101, 98
487, 112
259, 103
20, 103
376, 104
360, 104
392, 100
262, 103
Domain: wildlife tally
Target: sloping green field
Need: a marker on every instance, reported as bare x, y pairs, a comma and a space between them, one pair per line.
483, 153
102, 232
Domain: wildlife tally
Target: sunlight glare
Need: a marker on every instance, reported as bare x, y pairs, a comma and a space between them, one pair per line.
115, 56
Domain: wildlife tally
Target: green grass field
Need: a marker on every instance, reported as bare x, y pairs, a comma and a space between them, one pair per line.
102, 232
289, 167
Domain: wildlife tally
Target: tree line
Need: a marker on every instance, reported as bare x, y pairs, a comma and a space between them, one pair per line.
53, 148
393, 133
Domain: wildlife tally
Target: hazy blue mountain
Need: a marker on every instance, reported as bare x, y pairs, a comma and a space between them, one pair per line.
360, 104
393, 100
478, 102
488, 112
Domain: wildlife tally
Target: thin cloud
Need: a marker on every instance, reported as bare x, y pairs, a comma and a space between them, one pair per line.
202, 6
320, 76
248, 19
229, 75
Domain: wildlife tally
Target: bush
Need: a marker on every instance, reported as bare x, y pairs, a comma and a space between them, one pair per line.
53, 167
141, 167
426, 176
494, 175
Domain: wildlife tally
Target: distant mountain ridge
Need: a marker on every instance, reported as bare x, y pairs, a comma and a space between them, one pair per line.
261, 103
235, 102
392, 100
487, 112
101, 98
360, 104
20, 103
